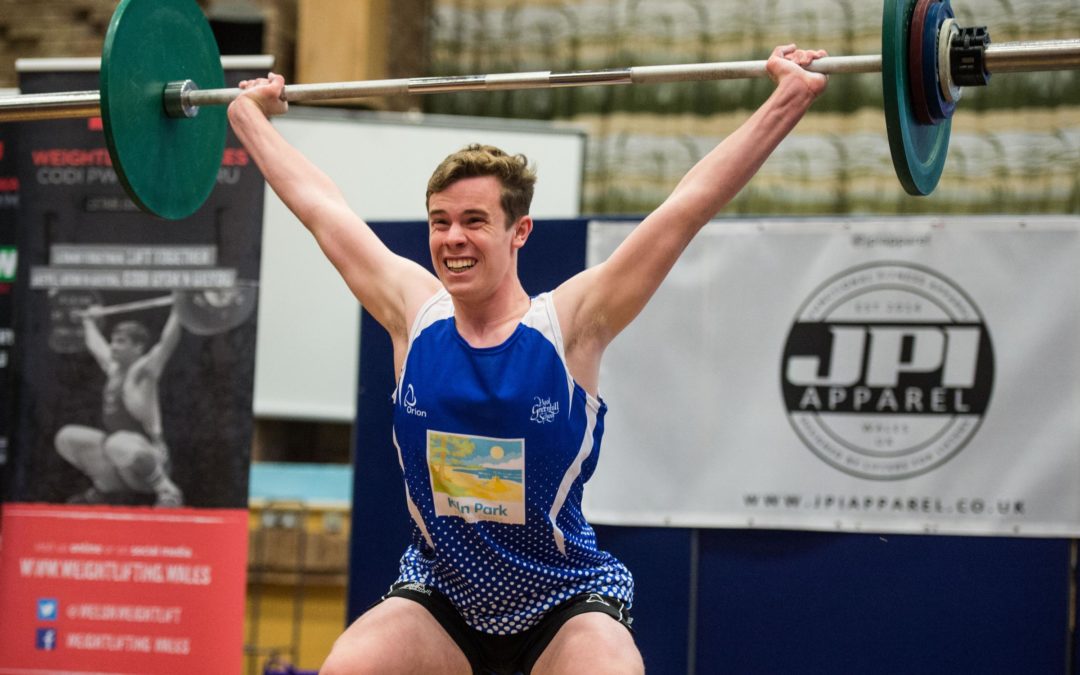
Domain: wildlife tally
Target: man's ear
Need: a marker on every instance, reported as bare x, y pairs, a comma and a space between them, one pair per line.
522, 229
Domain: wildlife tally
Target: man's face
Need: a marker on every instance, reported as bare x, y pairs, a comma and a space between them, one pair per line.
124, 349
471, 248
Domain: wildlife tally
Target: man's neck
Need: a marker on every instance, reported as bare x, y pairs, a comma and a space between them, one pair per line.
490, 322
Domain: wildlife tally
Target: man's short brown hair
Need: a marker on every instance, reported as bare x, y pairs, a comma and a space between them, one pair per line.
513, 171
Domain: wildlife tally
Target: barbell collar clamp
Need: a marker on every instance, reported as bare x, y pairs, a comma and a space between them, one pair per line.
967, 57
176, 99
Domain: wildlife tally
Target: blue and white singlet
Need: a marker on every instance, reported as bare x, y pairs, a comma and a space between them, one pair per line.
496, 445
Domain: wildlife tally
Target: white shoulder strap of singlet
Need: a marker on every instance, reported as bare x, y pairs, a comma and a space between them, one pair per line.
425, 317
554, 332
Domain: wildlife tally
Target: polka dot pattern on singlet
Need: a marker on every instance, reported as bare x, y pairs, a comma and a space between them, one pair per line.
492, 443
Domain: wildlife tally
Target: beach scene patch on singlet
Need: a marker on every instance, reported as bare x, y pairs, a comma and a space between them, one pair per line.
477, 478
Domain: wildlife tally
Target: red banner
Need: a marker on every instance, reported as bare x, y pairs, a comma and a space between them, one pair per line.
122, 590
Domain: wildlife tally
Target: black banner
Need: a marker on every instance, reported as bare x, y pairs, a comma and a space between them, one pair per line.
136, 334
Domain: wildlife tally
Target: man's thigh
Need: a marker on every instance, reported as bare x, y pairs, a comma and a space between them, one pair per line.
592, 643
395, 637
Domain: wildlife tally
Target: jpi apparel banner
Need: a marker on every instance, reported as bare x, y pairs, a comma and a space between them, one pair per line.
125, 527
890, 375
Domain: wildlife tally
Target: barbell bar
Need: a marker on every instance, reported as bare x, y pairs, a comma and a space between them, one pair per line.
1009, 57
124, 307
166, 135
1006, 57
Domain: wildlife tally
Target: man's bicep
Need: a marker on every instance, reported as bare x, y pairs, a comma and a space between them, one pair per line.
392, 290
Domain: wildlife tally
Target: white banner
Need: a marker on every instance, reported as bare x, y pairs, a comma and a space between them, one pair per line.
890, 375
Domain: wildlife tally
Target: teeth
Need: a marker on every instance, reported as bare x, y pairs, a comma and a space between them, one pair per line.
460, 264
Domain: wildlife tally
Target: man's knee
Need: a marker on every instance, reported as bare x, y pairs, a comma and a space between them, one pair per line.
65, 442
72, 440
395, 636
341, 663
356, 655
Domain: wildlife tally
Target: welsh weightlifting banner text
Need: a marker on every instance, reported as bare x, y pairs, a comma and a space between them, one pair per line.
889, 375
125, 529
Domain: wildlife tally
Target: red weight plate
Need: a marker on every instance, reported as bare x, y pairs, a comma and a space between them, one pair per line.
916, 37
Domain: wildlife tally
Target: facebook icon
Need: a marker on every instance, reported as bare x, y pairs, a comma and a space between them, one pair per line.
46, 639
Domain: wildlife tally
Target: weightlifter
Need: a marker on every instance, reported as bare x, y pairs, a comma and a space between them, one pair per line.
497, 413
127, 456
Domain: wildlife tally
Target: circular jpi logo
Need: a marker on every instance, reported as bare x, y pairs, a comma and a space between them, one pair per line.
887, 371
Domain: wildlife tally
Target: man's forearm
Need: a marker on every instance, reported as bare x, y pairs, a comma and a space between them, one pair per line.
721, 174
300, 184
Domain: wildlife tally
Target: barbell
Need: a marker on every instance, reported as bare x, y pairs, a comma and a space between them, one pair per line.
206, 311
162, 91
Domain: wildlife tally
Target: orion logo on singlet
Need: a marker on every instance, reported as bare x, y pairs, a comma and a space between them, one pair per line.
410, 403
887, 371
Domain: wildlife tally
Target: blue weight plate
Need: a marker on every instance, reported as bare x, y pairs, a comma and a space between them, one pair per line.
918, 150
939, 109
168, 166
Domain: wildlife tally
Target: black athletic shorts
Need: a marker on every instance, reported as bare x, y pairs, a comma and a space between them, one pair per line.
506, 654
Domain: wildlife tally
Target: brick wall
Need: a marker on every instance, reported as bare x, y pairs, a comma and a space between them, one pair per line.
71, 28
49, 28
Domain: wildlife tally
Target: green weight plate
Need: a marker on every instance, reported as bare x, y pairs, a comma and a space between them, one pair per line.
918, 150
168, 166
